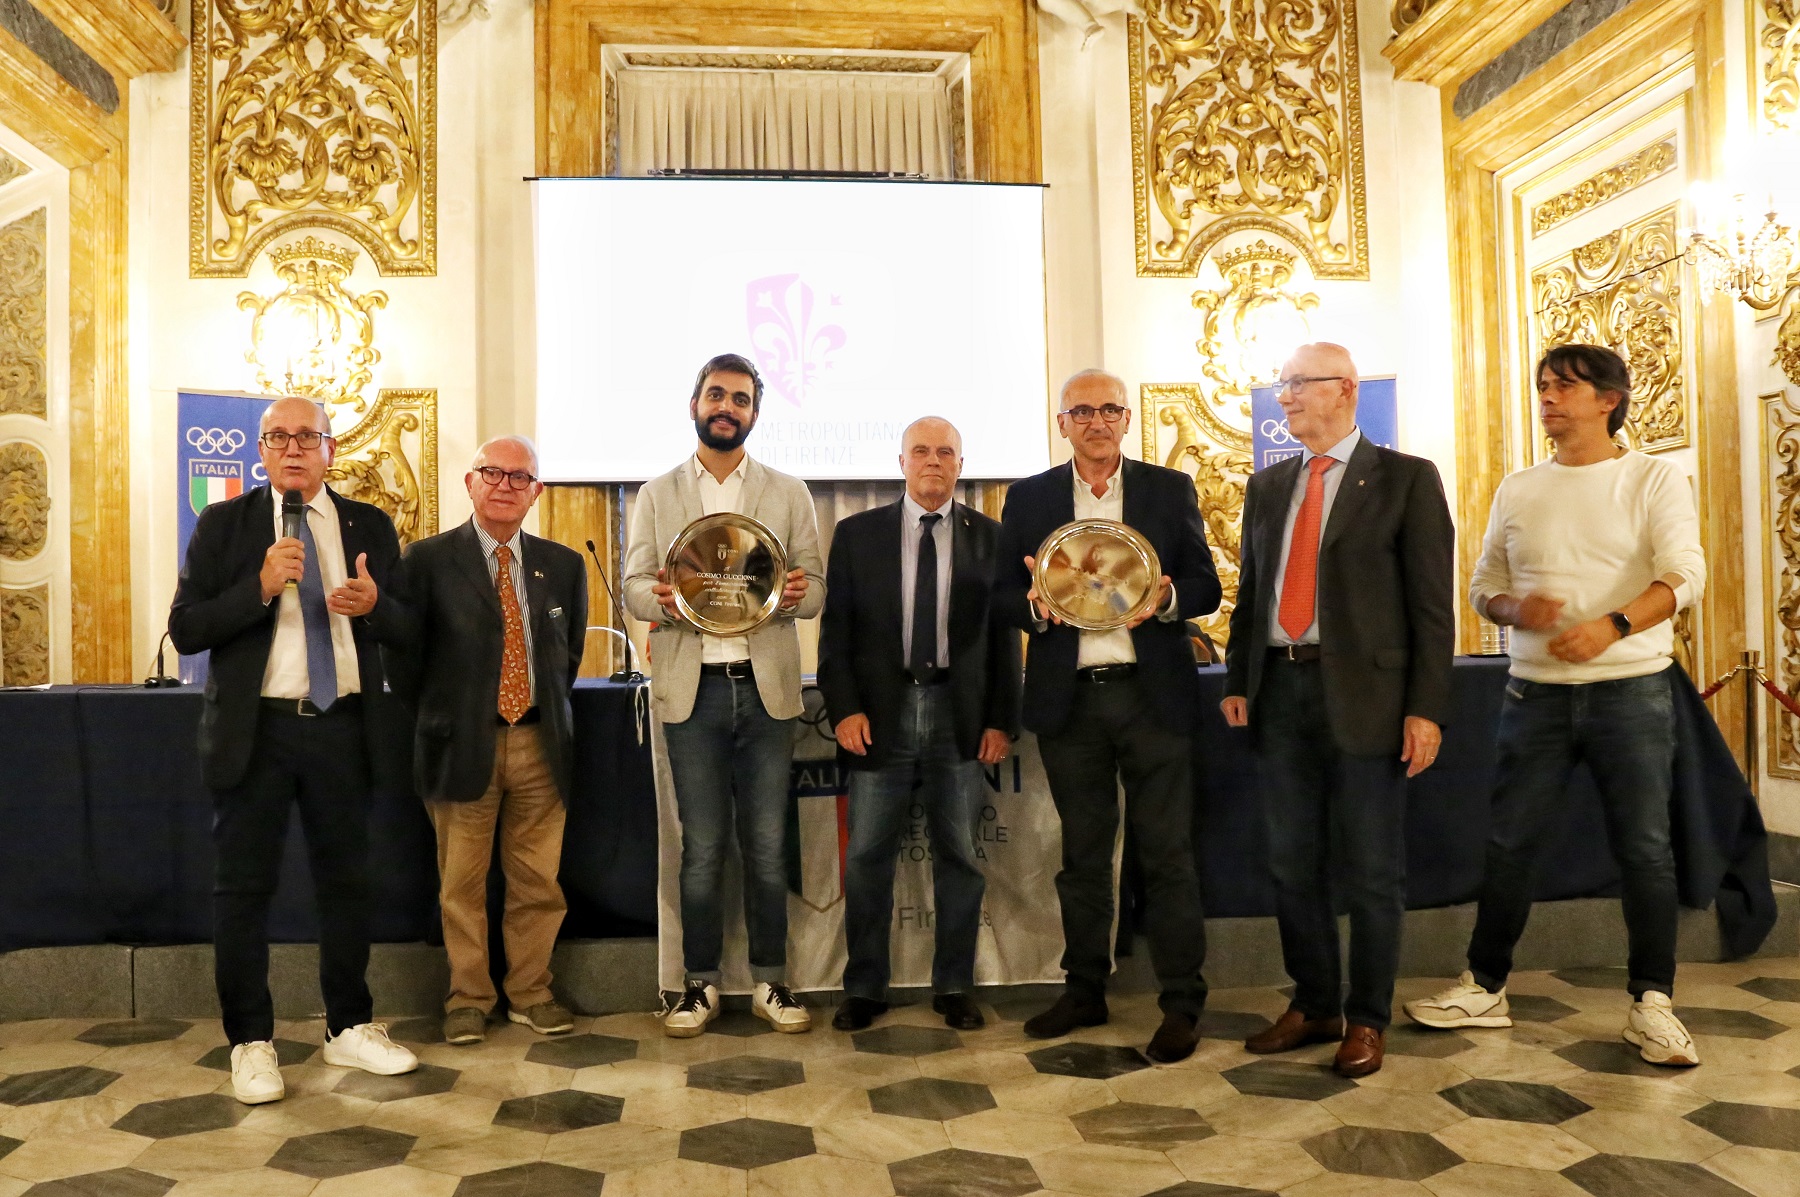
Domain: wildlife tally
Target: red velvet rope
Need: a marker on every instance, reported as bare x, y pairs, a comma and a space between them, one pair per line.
1793, 708
1718, 686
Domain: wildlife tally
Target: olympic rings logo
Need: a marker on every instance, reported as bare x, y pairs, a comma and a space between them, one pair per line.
1276, 432
218, 442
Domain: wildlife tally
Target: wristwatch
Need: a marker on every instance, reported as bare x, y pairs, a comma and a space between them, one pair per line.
1620, 623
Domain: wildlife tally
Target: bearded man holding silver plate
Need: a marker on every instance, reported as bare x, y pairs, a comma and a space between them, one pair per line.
1108, 557
723, 558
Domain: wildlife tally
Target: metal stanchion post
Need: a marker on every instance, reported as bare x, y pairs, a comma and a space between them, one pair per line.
1752, 667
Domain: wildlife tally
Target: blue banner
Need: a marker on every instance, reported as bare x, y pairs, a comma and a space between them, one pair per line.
215, 459
1377, 414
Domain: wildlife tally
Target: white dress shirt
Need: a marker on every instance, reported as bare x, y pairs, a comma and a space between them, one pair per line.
717, 496
1334, 478
286, 674
911, 514
490, 552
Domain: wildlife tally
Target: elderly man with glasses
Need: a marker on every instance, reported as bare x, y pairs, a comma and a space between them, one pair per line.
294, 590
501, 620
1115, 706
1339, 663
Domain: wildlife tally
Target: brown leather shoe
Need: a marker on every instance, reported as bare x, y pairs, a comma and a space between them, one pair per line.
1361, 1051
1293, 1030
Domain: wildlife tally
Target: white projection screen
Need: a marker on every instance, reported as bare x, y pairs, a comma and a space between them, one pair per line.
864, 304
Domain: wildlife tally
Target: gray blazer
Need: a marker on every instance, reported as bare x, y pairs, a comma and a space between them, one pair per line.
665, 506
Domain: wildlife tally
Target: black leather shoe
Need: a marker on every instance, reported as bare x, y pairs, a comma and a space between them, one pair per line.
959, 1011
856, 1013
1174, 1040
1068, 1013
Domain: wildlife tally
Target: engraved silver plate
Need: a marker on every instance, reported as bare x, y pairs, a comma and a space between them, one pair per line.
1096, 575
728, 572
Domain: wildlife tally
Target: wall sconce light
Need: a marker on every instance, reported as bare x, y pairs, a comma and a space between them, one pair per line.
1739, 247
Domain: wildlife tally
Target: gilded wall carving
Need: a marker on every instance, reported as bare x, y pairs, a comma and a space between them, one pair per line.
1781, 571
24, 500
1624, 290
1787, 339
1407, 13
313, 113
11, 168
1186, 430
1247, 117
1648, 163
390, 459
314, 338
1255, 307
890, 64
22, 317
1778, 42
25, 636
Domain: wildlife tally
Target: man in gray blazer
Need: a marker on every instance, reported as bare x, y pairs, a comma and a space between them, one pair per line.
727, 704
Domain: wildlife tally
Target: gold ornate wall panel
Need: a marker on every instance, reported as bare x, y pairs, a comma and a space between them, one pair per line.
1775, 62
11, 168
1624, 290
390, 458
313, 114
25, 636
1247, 117
1186, 430
1780, 444
1651, 162
22, 317
24, 501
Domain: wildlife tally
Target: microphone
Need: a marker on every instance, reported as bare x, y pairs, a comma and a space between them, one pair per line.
161, 680
626, 675
293, 510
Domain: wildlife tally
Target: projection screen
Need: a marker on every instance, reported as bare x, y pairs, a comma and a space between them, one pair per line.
865, 304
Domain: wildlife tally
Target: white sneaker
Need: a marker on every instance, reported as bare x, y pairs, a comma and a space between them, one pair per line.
1658, 1035
777, 1006
1464, 1004
368, 1047
697, 1006
256, 1074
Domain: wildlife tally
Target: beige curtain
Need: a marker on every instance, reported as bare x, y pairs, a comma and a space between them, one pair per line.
783, 120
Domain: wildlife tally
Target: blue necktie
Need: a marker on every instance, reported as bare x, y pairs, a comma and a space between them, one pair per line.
321, 659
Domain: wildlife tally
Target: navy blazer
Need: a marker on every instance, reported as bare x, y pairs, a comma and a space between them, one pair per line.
1161, 504
219, 609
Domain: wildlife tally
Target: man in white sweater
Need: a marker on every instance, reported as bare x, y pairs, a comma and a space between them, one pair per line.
1588, 556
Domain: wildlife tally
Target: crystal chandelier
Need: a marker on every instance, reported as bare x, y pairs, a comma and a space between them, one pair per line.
1740, 248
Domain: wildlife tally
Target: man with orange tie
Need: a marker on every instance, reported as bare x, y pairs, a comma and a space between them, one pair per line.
1339, 663
501, 621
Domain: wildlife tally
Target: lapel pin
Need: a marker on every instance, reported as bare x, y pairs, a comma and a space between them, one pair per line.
1360, 481
536, 573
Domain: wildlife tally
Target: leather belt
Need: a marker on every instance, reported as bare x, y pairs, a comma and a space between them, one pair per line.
739, 670
1295, 652
346, 704
1102, 674
531, 716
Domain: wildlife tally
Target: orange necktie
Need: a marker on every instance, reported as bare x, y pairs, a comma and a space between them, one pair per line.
1300, 583
515, 678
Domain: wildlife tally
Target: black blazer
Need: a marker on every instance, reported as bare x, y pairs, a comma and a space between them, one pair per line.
1387, 624
219, 608
451, 674
1161, 504
861, 666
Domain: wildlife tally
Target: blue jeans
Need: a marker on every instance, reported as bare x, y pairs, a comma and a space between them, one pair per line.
949, 790
1625, 731
731, 762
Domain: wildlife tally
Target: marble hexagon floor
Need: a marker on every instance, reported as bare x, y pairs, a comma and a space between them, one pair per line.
1555, 1105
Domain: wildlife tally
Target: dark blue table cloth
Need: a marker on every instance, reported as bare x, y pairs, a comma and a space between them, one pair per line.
105, 825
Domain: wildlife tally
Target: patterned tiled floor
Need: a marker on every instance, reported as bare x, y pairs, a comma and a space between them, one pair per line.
1555, 1105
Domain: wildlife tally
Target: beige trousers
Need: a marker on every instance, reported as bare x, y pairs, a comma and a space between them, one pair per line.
523, 801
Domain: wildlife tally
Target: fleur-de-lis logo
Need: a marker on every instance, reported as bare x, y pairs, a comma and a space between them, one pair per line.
790, 351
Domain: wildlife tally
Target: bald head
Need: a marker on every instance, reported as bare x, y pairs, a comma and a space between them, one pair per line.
293, 465
931, 460
930, 428
512, 449
1318, 394
293, 414
500, 505
1095, 387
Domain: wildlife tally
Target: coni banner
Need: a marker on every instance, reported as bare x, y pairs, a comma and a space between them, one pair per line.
215, 459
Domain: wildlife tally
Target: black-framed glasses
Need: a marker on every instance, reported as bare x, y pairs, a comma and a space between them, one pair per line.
517, 479
1300, 380
278, 440
1084, 413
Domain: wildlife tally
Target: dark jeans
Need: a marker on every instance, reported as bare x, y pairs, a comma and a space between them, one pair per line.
1330, 815
317, 762
1625, 731
1112, 736
730, 762
924, 754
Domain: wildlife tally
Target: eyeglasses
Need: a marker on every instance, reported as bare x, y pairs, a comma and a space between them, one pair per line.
1112, 413
1300, 380
517, 479
278, 440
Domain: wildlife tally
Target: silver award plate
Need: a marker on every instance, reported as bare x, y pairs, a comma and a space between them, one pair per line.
1096, 575
728, 571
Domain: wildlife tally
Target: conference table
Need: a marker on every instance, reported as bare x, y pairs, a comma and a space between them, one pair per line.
105, 826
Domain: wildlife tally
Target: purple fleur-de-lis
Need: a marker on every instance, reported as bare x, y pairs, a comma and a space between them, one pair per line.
791, 353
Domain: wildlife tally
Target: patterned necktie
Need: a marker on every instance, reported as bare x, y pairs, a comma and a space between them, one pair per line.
515, 678
1299, 585
923, 658
321, 658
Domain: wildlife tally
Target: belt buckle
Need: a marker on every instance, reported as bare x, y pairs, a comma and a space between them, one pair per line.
738, 670
300, 709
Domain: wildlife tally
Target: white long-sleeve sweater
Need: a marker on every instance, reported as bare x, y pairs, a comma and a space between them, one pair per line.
1594, 536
